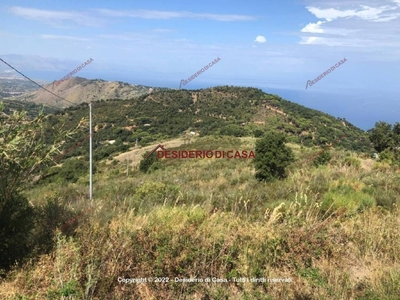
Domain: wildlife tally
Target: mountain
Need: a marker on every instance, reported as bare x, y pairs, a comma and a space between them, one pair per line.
223, 110
79, 90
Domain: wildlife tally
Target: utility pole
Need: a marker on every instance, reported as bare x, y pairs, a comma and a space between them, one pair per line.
90, 152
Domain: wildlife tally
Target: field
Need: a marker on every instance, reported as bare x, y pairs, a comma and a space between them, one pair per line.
322, 233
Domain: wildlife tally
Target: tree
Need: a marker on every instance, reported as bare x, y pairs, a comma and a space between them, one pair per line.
272, 157
396, 134
381, 136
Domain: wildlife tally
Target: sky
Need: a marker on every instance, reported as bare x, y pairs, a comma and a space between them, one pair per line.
276, 46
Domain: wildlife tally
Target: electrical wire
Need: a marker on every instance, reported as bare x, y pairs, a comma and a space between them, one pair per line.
36, 83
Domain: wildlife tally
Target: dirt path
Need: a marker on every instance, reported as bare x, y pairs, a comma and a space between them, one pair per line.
135, 155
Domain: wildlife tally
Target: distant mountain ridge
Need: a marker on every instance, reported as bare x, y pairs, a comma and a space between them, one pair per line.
79, 90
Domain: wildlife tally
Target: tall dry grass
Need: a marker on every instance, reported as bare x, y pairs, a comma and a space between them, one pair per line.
211, 218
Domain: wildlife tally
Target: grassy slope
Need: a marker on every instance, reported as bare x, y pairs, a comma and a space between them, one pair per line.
210, 218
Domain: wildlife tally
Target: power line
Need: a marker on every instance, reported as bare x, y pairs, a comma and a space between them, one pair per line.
90, 124
36, 83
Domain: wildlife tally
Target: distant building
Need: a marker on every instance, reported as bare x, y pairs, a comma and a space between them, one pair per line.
147, 125
111, 142
193, 133
375, 156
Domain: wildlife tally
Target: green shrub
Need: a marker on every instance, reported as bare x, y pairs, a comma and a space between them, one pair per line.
153, 193
71, 170
352, 162
322, 159
149, 164
345, 197
16, 223
49, 217
272, 157
386, 198
69, 289
258, 133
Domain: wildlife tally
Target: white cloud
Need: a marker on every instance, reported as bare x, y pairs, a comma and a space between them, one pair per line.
314, 27
347, 23
165, 15
54, 17
366, 13
260, 39
310, 40
63, 37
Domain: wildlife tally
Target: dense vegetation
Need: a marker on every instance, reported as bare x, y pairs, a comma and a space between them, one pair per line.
386, 140
30, 108
330, 223
22, 152
332, 230
233, 111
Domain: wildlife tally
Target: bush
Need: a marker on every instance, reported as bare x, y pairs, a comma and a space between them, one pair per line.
71, 170
16, 223
49, 217
322, 159
352, 162
345, 197
152, 193
272, 157
150, 163
258, 133
390, 156
386, 198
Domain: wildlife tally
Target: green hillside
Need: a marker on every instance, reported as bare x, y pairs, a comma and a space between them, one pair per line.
318, 230
322, 232
233, 111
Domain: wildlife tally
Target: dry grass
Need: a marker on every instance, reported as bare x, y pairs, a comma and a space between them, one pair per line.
210, 218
